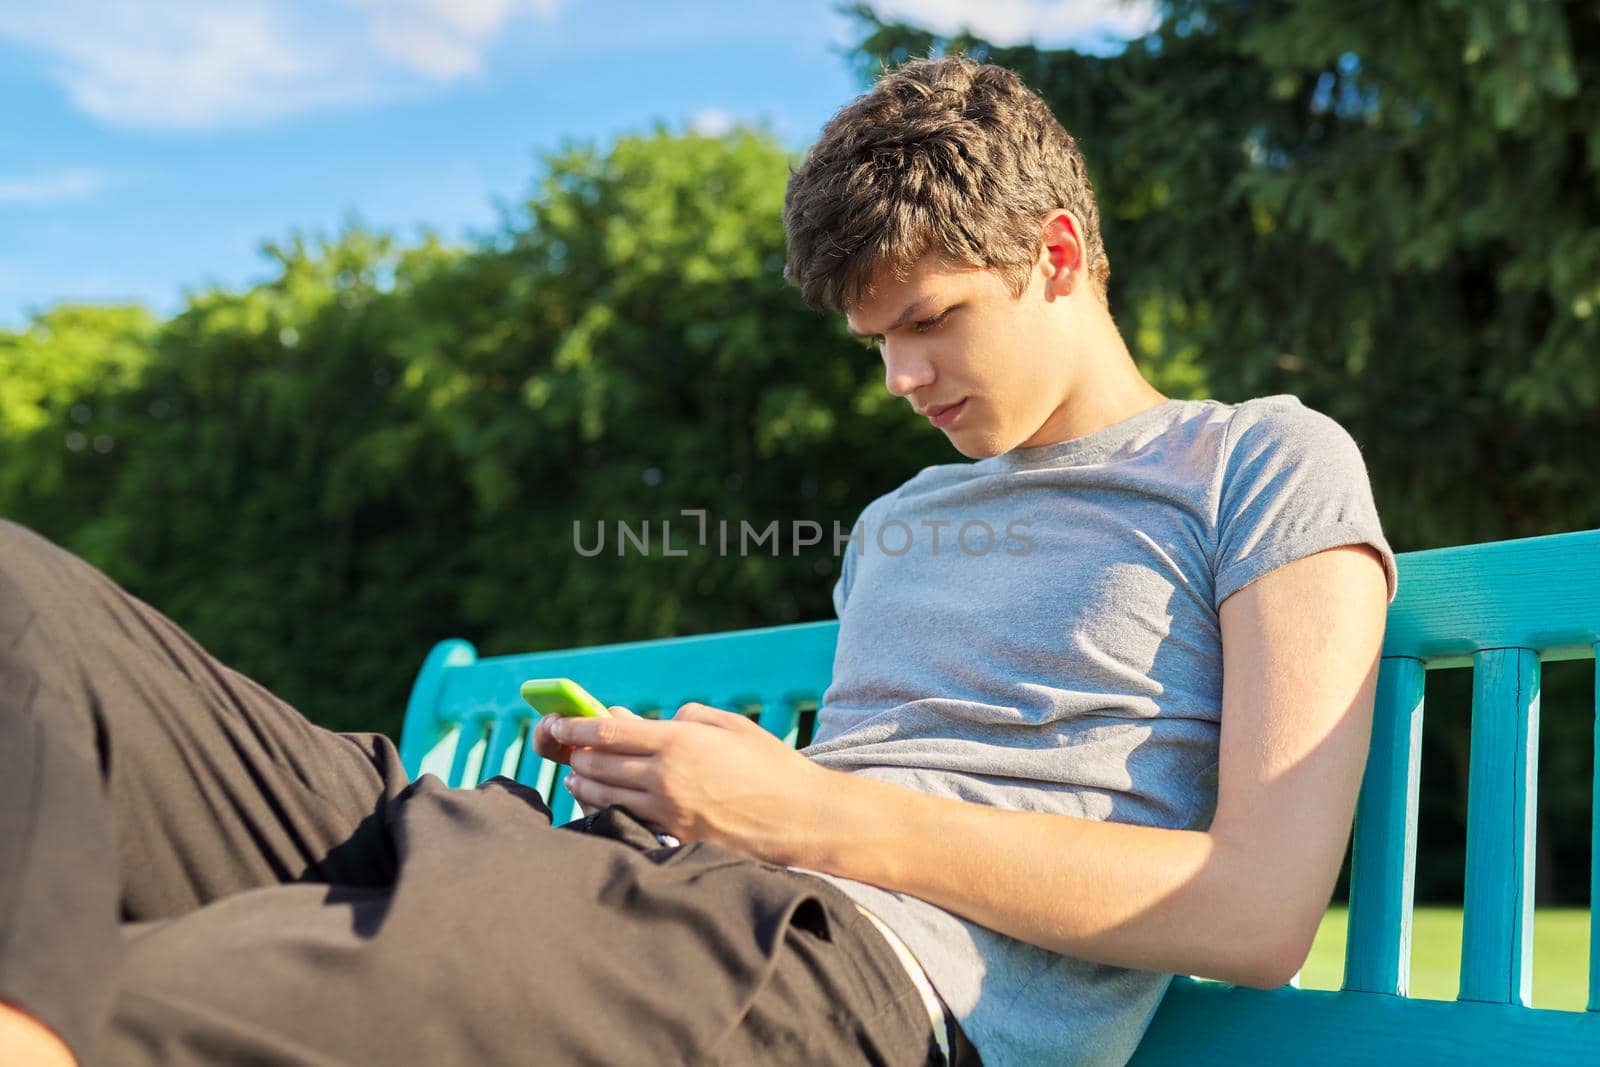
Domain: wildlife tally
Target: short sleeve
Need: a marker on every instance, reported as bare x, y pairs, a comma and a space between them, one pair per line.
841, 587
1294, 483
851, 551
847, 562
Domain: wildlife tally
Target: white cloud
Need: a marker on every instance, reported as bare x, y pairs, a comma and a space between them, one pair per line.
712, 122
197, 64
46, 188
442, 39
1047, 23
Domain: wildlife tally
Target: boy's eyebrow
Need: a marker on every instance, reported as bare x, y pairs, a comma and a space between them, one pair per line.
912, 309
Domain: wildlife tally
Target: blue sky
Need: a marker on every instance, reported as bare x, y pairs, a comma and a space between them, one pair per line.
150, 146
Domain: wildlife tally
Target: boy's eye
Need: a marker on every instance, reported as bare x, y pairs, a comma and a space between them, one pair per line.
876, 343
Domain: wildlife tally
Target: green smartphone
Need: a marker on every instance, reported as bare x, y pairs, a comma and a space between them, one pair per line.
562, 696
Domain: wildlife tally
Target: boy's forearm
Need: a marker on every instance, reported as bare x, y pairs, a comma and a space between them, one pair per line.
1179, 901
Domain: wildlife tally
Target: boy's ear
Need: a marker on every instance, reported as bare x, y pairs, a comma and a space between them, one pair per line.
1064, 249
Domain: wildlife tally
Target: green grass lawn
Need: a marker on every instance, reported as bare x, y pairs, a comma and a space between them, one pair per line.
1560, 955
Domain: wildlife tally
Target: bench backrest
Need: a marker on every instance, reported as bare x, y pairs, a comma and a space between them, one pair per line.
466, 721
1500, 608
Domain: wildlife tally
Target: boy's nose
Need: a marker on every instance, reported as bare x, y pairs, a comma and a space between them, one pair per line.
903, 373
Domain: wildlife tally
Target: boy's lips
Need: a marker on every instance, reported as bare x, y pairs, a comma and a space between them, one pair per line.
944, 414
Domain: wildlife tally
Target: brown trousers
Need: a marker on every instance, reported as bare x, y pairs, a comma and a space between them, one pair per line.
193, 873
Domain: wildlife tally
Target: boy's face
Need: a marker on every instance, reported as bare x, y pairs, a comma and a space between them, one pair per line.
968, 342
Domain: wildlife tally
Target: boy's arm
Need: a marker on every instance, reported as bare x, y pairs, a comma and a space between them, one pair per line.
1239, 902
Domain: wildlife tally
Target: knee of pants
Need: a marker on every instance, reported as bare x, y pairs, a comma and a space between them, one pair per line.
35, 660
46, 588
19, 545
28, 567
18, 678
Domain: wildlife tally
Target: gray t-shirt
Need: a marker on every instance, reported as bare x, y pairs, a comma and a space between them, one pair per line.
1069, 660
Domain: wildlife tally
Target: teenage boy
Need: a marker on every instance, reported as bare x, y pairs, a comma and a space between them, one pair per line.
1050, 771
1103, 696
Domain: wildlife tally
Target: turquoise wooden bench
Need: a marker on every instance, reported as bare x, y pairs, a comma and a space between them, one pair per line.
1500, 608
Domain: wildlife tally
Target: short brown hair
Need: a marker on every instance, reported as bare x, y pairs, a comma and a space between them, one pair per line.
947, 156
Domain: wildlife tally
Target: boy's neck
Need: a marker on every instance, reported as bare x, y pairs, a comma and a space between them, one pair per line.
1089, 414
1108, 390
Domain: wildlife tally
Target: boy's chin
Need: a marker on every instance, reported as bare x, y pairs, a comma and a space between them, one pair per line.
975, 447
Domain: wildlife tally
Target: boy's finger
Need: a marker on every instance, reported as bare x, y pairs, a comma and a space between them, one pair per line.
548, 747
620, 735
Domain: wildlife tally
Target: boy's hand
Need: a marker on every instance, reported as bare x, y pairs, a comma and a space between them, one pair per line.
551, 749
703, 775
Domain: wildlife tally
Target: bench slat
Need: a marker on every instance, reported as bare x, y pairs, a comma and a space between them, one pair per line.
780, 717
1497, 907
563, 805
1217, 1023
723, 669
1532, 592
505, 745
534, 771
1384, 860
1594, 854
468, 757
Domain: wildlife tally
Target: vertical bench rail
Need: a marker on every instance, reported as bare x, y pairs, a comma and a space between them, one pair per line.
507, 737
471, 740
1497, 910
1384, 851
780, 717
533, 770
1594, 853
563, 806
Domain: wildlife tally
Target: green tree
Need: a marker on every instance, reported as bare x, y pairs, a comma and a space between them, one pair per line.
63, 385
